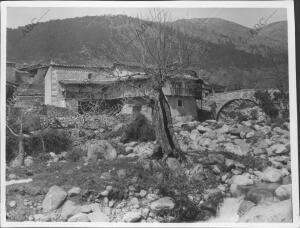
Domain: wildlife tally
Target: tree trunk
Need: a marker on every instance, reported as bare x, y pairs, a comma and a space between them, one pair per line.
19, 160
161, 116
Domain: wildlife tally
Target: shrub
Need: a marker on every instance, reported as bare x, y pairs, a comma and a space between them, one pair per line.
138, 130
56, 140
266, 103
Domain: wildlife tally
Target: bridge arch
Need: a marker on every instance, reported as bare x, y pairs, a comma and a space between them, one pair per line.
224, 105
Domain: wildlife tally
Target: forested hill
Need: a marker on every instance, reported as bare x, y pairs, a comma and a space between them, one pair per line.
227, 59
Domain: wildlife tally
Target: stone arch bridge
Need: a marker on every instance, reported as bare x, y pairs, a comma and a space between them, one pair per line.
218, 101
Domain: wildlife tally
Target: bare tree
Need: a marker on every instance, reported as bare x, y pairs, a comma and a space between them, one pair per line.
164, 51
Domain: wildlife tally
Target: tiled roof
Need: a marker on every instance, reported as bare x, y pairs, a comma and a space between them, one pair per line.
79, 67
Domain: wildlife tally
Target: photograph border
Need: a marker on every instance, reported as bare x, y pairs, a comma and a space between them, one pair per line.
289, 5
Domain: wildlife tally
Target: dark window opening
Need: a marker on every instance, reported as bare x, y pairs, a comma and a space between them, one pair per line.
180, 103
89, 76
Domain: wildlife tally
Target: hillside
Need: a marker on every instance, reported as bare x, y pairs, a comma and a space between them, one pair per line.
217, 30
104, 39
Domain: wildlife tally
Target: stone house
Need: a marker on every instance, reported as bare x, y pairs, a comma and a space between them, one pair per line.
122, 87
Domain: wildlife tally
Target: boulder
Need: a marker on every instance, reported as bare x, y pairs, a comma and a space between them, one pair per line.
98, 216
224, 129
165, 203
245, 206
80, 217
239, 180
258, 195
195, 134
235, 149
74, 191
100, 149
54, 198
272, 213
284, 192
271, 174
133, 216
28, 161
144, 149
12, 204
173, 164
203, 129
69, 209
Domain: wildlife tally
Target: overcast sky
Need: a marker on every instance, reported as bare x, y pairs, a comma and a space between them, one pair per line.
20, 16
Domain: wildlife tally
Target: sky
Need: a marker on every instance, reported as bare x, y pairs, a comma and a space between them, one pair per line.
20, 16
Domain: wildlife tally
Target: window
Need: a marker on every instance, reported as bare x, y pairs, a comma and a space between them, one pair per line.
180, 103
89, 76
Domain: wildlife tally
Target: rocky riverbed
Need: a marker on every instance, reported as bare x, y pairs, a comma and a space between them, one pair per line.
237, 172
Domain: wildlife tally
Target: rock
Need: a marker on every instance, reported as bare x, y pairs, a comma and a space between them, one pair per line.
271, 174
284, 192
286, 180
286, 125
244, 179
12, 176
111, 203
145, 149
258, 151
203, 129
80, 217
173, 164
239, 180
133, 216
42, 217
128, 149
152, 196
165, 203
216, 169
235, 149
100, 149
12, 204
194, 134
86, 209
277, 149
245, 206
224, 129
258, 195
74, 191
98, 216
145, 213
134, 201
28, 161
69, 209
121, 173
54, 198
143, 193
275, 212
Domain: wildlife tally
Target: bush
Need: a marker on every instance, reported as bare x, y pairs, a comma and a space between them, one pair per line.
138, 130
266, 103
56, 140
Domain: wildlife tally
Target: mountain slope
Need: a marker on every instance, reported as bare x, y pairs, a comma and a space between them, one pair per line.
105, 39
